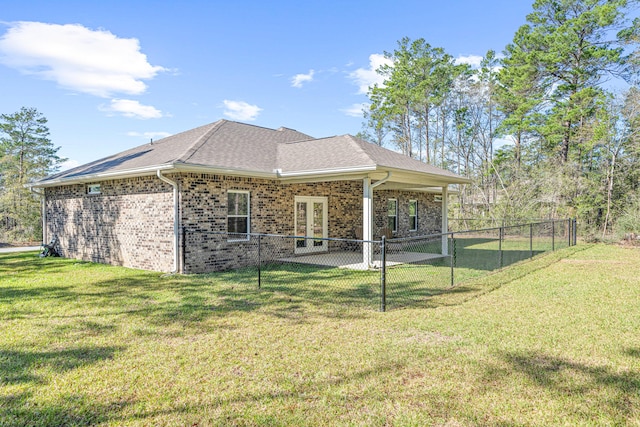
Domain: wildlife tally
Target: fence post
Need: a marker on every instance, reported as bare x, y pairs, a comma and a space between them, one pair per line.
259, 261
569, 230
553, 235
500, 246
383, 275
575, 231
531, 240
452, 258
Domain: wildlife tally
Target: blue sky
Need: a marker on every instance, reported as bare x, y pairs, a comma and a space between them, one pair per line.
110, 75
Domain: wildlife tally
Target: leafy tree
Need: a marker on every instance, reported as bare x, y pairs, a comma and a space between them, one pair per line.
519, 92
26, 154
411, 99
565, 51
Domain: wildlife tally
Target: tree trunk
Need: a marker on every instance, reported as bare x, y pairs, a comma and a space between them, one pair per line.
566, 140
610, 173
427, 146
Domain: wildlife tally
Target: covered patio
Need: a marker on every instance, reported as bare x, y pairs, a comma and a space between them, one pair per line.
390, 178
356, 261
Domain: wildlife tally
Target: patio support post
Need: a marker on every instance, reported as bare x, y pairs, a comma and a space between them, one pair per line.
445, 221
383, 275
367, 222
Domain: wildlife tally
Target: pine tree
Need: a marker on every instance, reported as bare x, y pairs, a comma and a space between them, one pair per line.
26, 154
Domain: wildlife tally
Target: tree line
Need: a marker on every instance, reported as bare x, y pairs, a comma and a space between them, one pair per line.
540, 129
26, 154
543, 129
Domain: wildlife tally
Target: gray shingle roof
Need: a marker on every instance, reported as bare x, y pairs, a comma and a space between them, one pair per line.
227, 145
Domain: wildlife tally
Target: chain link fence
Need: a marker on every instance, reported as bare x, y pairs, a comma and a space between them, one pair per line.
379, 275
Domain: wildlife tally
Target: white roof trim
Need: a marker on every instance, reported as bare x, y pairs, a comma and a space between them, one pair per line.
321, 174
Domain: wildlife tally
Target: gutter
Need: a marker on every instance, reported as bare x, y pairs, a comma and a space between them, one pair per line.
43, 203
382, 181
150, 170
323, 172
176, 219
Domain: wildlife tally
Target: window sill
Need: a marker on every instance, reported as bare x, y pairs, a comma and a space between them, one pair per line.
245, 239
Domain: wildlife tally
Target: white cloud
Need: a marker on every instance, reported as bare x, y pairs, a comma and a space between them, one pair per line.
355, 110
367, 77
77, 58
299, 79
131, 108
149, 135
69, 164
240, 110
508, 140
473, 60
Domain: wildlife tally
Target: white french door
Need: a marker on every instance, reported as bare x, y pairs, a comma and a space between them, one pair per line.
311, 221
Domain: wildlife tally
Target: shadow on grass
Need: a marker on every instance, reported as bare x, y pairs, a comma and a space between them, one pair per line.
609, 389
296, 394
430, 286
18, 410
286, 290
20, 264
10, 293
633, 352
22, 366
490, 259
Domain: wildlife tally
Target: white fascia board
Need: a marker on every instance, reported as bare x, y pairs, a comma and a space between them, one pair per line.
321, 173
152, 170
104, 176
436, 179
433, 190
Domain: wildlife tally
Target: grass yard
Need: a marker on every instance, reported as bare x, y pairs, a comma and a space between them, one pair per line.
554, 341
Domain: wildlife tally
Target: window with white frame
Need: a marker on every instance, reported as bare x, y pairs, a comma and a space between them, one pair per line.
238, 213
93, 189
413, 215
392, 215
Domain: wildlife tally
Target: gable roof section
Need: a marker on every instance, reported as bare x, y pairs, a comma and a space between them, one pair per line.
248, 150
347, 152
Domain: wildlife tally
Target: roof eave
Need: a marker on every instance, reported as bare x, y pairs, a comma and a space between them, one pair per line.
151, 170
102, 176
437, 179
324, 173
356, 171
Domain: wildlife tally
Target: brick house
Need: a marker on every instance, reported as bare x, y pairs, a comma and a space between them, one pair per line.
131, 208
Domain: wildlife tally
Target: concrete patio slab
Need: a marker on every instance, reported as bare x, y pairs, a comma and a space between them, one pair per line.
353, 260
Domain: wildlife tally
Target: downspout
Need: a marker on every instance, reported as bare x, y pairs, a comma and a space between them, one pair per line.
43, 203
382, 181
176, 220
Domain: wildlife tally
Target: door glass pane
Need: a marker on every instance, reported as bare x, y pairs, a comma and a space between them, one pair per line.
301, 223
318, 221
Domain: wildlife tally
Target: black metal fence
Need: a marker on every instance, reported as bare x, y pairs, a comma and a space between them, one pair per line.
384, 274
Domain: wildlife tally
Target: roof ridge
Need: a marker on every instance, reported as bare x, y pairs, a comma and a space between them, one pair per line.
193, 148
357, 141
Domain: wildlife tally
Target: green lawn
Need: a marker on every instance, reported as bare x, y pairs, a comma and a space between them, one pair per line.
554, 341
